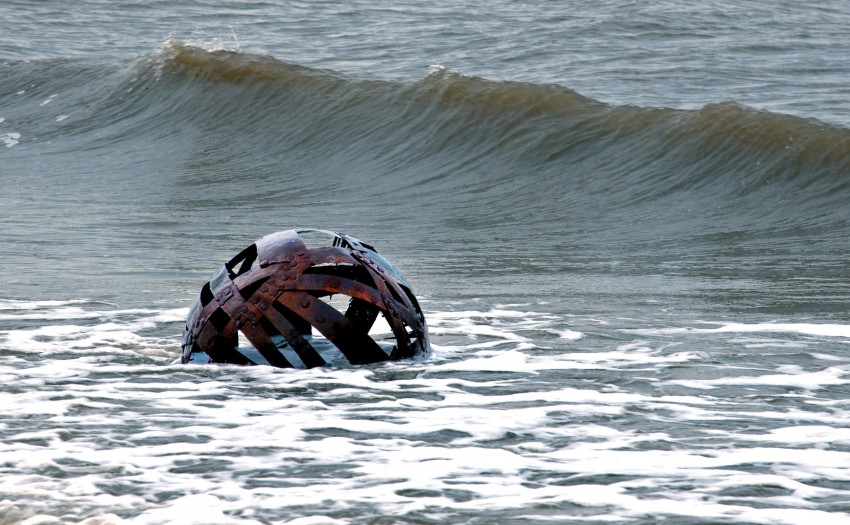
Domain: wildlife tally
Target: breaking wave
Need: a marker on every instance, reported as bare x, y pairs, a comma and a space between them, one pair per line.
445, 139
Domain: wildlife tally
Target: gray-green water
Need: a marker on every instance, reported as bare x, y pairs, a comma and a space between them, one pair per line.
627, 225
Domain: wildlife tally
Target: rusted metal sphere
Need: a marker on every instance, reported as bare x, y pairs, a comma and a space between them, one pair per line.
280, 289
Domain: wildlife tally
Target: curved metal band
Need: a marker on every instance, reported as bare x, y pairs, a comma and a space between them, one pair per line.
247, 319
357, 347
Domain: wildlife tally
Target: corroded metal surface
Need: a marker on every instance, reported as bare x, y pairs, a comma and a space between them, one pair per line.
281, 295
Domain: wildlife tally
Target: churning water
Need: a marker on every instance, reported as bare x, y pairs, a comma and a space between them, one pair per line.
627, 223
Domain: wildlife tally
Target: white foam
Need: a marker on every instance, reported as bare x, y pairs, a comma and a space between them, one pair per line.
193, 508
825, 329
499, 324
807, 380
48, 100
114, 332
13, 304
569, 335
63, 313
11, 139
803, 435
315, 520
94, 425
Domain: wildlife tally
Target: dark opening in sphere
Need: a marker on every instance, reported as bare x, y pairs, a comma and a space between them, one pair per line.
304, 298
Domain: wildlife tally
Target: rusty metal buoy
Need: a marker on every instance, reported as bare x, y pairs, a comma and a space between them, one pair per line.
279, 290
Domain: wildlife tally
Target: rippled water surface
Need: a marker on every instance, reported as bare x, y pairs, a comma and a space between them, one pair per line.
626, 223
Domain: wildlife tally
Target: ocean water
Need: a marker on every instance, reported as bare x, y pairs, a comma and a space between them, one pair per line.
627, 224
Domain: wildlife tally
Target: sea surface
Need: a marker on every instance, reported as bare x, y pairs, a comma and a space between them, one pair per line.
627, 223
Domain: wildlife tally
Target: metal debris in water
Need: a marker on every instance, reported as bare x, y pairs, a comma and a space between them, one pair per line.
281, 295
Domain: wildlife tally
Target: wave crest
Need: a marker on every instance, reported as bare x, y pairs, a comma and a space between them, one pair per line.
538, 148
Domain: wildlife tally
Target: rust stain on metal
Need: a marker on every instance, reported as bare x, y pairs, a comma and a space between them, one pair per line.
277, 291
